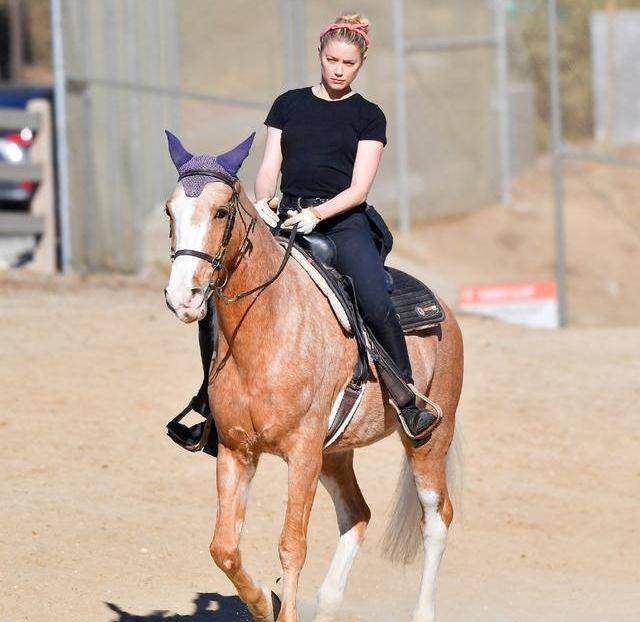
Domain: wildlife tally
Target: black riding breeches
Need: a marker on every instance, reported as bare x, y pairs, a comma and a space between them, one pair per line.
358, 257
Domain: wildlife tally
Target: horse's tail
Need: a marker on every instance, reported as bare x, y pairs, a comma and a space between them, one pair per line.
402, 537
454, 468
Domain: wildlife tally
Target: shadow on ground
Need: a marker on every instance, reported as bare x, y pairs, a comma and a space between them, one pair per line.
207, 608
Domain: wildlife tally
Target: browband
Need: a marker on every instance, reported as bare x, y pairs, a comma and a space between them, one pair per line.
228, 179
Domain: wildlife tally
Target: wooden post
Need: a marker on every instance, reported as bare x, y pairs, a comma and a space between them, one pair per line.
42, 204
16, 39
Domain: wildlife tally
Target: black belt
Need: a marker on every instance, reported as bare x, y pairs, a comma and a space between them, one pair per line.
289, 200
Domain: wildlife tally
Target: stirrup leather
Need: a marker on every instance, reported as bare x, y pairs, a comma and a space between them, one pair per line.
400, 391
178, 432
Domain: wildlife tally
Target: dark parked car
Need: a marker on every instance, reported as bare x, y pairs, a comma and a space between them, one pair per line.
14, 149
15, 143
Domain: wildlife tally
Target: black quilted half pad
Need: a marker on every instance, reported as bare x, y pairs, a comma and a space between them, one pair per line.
415, 304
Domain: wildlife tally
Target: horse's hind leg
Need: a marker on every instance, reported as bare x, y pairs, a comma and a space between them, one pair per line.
353, 515
234, 474
430, 476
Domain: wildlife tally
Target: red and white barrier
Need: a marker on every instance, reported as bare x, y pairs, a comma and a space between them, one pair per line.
533, 303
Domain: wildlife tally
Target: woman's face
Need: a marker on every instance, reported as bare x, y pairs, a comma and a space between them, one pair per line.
340, 63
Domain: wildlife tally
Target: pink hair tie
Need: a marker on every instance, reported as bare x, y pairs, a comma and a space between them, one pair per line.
359, 28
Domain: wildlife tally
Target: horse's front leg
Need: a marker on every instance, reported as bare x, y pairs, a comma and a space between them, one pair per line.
304, 471
234, 474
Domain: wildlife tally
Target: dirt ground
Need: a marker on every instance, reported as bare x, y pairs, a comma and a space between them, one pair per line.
105, 520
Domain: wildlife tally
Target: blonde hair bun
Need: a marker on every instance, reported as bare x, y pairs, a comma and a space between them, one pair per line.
354, 18
355, 30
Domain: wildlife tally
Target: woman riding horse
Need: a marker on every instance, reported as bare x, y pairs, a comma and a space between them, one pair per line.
327, 141
277, 398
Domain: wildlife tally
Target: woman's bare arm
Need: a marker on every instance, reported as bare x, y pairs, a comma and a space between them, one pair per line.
364, 171
267, 177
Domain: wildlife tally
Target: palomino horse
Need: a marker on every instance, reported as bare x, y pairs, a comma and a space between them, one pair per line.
282, 360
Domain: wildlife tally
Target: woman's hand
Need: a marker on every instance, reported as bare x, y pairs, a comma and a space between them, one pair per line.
306, 220
264, 208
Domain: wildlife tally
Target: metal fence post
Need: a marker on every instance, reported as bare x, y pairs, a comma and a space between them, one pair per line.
295, 47
114, 226
502, 94
402, 157
89, 194
557, 159
62, 165
137, 170
300, 41
175, 105
287, 46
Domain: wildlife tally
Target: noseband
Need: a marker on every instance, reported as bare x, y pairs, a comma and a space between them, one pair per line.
217, 286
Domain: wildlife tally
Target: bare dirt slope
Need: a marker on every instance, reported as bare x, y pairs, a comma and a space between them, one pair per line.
103, 519
515, 243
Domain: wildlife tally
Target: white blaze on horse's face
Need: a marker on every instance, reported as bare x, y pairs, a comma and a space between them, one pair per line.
185, 295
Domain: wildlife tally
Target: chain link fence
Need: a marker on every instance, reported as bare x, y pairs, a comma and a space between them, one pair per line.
210, 71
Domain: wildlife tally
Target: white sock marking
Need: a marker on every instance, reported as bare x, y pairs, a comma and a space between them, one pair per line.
331, 592
435, 540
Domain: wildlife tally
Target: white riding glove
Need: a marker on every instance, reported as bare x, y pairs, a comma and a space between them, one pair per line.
265, 210
306, 220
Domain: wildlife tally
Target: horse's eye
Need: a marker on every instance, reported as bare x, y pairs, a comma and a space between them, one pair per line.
222, 212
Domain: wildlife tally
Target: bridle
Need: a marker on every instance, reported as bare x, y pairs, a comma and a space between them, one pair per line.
234, 208
216, 286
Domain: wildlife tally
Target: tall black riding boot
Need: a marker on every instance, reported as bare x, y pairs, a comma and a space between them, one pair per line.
395, 371
208, 341
180, 433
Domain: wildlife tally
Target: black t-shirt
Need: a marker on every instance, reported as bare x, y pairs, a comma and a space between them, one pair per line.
320, 139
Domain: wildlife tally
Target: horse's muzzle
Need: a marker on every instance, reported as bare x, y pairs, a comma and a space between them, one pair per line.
188, 305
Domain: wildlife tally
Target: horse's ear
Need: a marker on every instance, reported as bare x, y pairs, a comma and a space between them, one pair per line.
179, 155
232, 160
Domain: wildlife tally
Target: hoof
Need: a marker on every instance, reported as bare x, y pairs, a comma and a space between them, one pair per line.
276, 588
275, 605
276, 597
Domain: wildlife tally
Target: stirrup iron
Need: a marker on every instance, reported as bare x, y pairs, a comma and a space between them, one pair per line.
424, 436
177, 431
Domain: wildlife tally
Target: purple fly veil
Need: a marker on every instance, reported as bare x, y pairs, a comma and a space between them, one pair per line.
179, 155
206, 165
232, 160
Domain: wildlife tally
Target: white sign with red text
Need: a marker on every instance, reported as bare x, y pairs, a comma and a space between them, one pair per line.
532, 303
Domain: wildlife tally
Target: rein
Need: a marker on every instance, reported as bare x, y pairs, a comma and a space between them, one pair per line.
216, 262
